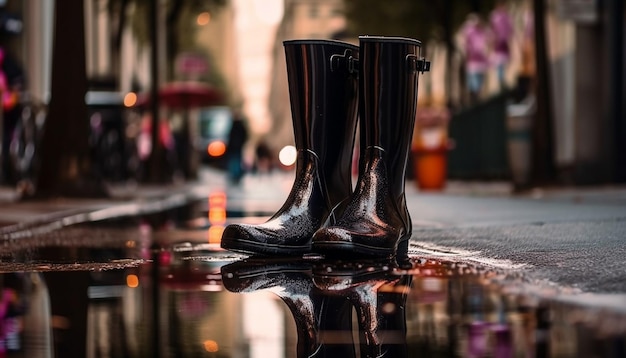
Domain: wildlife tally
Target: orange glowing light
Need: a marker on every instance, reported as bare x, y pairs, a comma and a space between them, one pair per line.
203, 18
211, 346
130, 99
217, 216
217, 199
132, 281
216, 149
215, 234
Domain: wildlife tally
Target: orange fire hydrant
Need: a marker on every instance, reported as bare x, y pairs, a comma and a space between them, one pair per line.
430, 148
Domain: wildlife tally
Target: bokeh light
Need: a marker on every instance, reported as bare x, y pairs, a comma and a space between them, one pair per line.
216, 149
132, 281
211, 346
215, 234
130, 99
288, 155
217, 215
203, 18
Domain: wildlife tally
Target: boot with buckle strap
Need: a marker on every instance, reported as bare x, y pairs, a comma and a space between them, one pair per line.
323, 89
376, 222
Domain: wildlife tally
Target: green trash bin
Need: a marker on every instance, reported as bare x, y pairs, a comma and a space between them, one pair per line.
479, 135
519, 132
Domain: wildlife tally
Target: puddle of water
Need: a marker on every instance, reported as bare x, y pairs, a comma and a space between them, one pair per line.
192, 300
159, 286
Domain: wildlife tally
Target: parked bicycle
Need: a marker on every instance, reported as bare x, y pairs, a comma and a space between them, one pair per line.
113, 152
25, 141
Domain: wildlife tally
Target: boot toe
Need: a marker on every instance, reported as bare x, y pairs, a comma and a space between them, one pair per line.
236, 232
340, 241
332, 240
240, 238
256, 239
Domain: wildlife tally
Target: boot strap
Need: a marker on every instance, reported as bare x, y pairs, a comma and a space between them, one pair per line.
417, 64
345, 61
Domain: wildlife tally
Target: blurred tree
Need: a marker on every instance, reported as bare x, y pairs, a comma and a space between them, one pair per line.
65, 155
544, 167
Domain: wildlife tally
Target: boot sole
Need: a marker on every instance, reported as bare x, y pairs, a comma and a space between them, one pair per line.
350, 249
255, 248
336, 249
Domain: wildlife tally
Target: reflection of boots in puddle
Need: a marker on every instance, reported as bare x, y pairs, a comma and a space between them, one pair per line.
335, 327
291, 281
379, 298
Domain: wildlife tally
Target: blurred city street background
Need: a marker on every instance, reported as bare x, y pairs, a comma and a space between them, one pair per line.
133, 132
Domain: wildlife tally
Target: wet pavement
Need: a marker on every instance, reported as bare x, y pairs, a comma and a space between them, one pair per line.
147, 279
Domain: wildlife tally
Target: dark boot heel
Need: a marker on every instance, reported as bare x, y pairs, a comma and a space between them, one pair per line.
402, 252
403, 245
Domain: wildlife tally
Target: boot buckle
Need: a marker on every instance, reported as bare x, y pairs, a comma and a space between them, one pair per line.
415, 64
423, 65
338, 62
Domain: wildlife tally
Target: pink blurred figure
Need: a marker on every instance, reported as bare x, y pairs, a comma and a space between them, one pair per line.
476, 38
502, 27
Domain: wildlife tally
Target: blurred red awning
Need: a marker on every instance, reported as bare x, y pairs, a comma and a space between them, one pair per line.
189, 94
184, 95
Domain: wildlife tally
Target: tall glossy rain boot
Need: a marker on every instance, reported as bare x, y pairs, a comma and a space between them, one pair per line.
376, 221
323, 90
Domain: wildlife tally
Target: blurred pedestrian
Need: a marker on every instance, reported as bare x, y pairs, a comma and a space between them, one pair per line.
476, 39
263, 163
502, 27
237, 138
526, 74
528, 43
166, 139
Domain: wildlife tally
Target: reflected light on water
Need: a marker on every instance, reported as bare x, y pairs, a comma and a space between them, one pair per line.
217, 216
215, 234
217, 199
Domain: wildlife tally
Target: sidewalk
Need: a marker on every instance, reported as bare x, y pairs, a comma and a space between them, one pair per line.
568, 237
125, 200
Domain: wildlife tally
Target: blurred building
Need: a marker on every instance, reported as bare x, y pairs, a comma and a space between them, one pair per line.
33, 47
256, 22
593, 99
217, 33
303, 19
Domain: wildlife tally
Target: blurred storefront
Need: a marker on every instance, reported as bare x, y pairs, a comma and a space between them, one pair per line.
597, 92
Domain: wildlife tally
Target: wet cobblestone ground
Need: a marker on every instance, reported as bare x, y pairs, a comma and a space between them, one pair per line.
158, 285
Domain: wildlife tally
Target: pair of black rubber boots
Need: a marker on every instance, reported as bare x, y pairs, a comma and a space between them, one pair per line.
331, 83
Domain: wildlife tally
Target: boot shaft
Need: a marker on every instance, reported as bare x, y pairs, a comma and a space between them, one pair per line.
323, 90
389, 68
